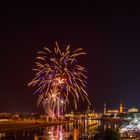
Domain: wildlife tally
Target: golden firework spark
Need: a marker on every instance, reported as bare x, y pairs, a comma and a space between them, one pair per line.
59, 71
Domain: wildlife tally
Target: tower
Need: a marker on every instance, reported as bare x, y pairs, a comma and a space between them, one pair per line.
104, 108
121, 107
88, 109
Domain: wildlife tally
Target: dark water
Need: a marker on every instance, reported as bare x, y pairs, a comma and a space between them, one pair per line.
82, 129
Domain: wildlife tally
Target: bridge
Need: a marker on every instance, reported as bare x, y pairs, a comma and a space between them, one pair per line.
93, 116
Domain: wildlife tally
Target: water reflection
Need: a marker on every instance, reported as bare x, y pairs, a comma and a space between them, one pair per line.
55, 133
2, 135
80, 129
110, 125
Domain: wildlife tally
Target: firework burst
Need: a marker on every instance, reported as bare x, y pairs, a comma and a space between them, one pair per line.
58, 74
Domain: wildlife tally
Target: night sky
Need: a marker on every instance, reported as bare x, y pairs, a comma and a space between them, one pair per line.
108, 31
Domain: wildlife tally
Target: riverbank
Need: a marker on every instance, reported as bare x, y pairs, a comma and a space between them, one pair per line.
23, 124
113, 120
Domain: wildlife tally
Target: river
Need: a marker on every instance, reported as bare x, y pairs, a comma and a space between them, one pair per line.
81, 129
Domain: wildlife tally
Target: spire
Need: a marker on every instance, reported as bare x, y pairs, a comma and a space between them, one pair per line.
121, 106
104, 108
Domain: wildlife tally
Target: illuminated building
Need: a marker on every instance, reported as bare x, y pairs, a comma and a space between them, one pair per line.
112, 111
104, 108
133, 109
121, 107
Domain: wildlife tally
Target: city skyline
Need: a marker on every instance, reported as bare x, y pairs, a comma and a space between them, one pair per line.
107, 31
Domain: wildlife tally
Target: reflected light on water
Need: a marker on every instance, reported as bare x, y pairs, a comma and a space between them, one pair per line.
2, 135
75, 134
109, 126
36, 137
81, 129
105, 126
54, 133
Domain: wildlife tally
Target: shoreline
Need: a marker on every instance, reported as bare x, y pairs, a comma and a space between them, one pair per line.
17, 125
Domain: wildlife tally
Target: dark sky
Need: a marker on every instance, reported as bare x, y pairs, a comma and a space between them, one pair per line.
108, 31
